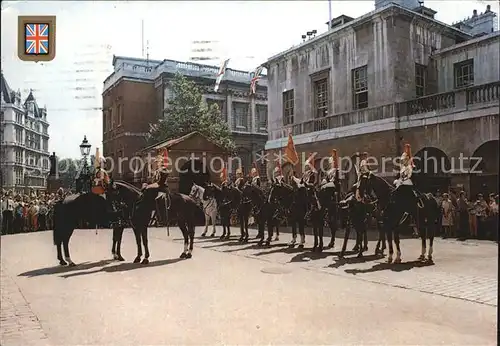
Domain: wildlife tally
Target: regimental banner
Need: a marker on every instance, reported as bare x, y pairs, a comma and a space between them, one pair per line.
255, 78
220, 74
36, 38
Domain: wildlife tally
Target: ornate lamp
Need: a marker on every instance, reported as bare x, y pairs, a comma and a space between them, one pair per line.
85, 147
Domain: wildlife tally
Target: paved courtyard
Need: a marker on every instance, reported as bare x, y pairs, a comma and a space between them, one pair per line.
230, 293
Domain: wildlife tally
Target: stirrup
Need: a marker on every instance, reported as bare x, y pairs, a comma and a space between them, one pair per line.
420, 203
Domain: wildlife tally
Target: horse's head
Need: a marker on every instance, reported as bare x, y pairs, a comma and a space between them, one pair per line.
366, 184
248, 193
195, 191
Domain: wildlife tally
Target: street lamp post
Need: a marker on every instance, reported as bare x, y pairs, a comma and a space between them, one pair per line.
83, 185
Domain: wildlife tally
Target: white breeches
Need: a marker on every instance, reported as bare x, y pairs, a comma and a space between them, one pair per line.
398, 182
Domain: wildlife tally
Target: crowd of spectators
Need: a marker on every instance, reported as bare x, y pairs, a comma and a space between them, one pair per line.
26, 212
469, 219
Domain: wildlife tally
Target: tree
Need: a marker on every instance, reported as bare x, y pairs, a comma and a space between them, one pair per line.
67, 170
187, 112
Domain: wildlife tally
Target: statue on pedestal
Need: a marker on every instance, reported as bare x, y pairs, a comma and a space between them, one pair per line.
53, 164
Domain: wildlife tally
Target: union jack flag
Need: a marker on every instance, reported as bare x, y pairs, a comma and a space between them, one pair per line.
220, 74
36, 37
255, 79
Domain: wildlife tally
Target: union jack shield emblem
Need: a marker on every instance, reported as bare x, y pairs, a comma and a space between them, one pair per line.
36, 38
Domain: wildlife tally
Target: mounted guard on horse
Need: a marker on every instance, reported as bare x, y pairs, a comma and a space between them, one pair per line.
405, 191
254, 173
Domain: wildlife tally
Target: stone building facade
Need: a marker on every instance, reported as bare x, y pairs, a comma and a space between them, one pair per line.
392, 76
24, 141
136, 95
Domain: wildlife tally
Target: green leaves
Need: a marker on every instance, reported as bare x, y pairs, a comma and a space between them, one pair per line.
186, 112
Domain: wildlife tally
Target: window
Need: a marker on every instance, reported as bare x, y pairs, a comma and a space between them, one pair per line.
19, 118
19, 136
110, 119
288, 107
120, 114
19, 177
420, 80
240, 111
45, 146
360, 87
464, 73
321, 98
261, 117
19, 156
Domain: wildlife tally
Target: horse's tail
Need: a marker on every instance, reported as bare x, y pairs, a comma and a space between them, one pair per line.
54, 236
55, 225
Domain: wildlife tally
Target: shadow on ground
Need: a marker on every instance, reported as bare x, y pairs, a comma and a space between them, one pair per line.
400, 267
354, 260
64, 269
124, 267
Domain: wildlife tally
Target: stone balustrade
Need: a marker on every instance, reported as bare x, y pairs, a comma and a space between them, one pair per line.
443, 103
336, 121
485, 93
153, 69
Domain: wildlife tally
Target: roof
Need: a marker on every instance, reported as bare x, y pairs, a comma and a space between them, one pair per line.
31, 98
6, 90
172, 142
360, 20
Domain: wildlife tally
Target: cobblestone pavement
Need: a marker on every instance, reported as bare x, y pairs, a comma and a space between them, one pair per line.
18, 323
462, 270
231, 293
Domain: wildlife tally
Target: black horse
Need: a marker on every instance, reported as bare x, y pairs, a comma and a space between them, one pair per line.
181, 208
262, 210
125, 197
327, 195
73, 210
225, 200
356, 213
425, 211
287, 203
243, 210
294, 202
316, 215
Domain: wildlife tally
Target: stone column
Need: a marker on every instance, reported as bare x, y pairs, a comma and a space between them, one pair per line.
253, 109
229, 109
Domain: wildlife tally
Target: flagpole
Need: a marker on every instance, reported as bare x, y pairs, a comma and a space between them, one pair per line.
329, 15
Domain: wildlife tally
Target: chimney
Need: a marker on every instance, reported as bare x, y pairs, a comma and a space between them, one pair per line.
474, 13
488, 8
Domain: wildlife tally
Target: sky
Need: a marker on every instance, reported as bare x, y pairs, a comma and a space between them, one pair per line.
89, 33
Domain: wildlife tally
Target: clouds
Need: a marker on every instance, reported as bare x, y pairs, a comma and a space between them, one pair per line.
90, 32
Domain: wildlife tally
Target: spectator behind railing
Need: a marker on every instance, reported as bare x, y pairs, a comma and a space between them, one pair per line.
463, 216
